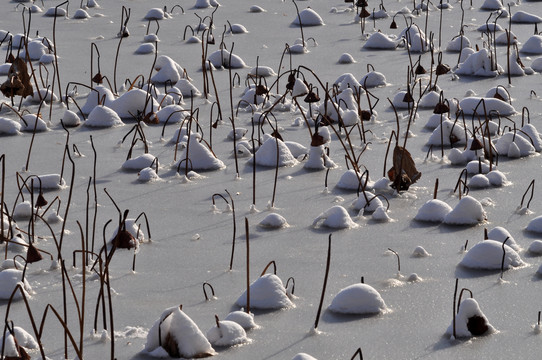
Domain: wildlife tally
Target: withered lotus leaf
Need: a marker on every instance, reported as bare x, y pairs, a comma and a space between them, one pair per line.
18, 81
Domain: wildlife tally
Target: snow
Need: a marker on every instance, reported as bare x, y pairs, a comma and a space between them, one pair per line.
103, 117
336, 217
188, 340
433, 211
358, 299
242, 318
533, 45
9, 279
468, 309
229, 333
274, 221
266, 155
191, 245
267, 292
308, 17
468, 211
487, 255
23, 339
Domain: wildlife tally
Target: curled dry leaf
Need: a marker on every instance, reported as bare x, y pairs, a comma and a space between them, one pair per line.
18, 81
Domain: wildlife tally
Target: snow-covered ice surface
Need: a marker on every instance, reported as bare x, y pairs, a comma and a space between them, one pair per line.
191, 245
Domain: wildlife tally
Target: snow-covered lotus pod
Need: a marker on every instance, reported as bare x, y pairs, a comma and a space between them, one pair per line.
419, 251
487, 255
256, 9
147, 48
399, 101
367, 202
492, 27
533, 136
470, 321
416, 39
172, 114
373, 79
135, 231
523, 17
140, 162
264, 71
477, 166
46, 94
318, 159
468, 211
103, 117
350, 181
433, 210
71, 119
23, 210
336, 217
23, 339
147, 175
358, 299
223, 58
533, 45
429, 100
505, 146
134, 102
267, 154
274, 221
167, 70
435, 119
479, 64
491, 5
478, 181
296, 149
536, 65
50, 182
300, 88
30, 120
242, 318
200, 156
451, 134
346, 58
180, 337
227, 333
80, 14
187, 89
535, 225
381, 214
155, 14
303, 356
380, 41
9, 279
95, 97
151, 38
457, 157
267, 292
458, 43
500, 234
308, 17
55, 11
497, 178
346, 81
535, 247
202, 4
36, 49
238, 29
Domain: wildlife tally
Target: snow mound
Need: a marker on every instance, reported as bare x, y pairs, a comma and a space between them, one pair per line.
308, 17
200, 156
243, 319
274, 221
433, 211
380, 41
267, 292
228, 333
358, 299
535, 225
500, 234
9, 279
180, 336
470, 321
335, 217
267, 154
487, 255
103, 117
468, 211
139, 163
134, 102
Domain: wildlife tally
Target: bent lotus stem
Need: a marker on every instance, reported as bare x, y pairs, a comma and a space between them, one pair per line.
398, 260
328, 262
524, 111
461, 295
531, 186
358, 352
288, 283
503, 255
205, 291
272, 262
455, 298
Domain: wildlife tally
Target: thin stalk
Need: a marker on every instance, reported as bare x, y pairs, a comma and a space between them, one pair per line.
328, 262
